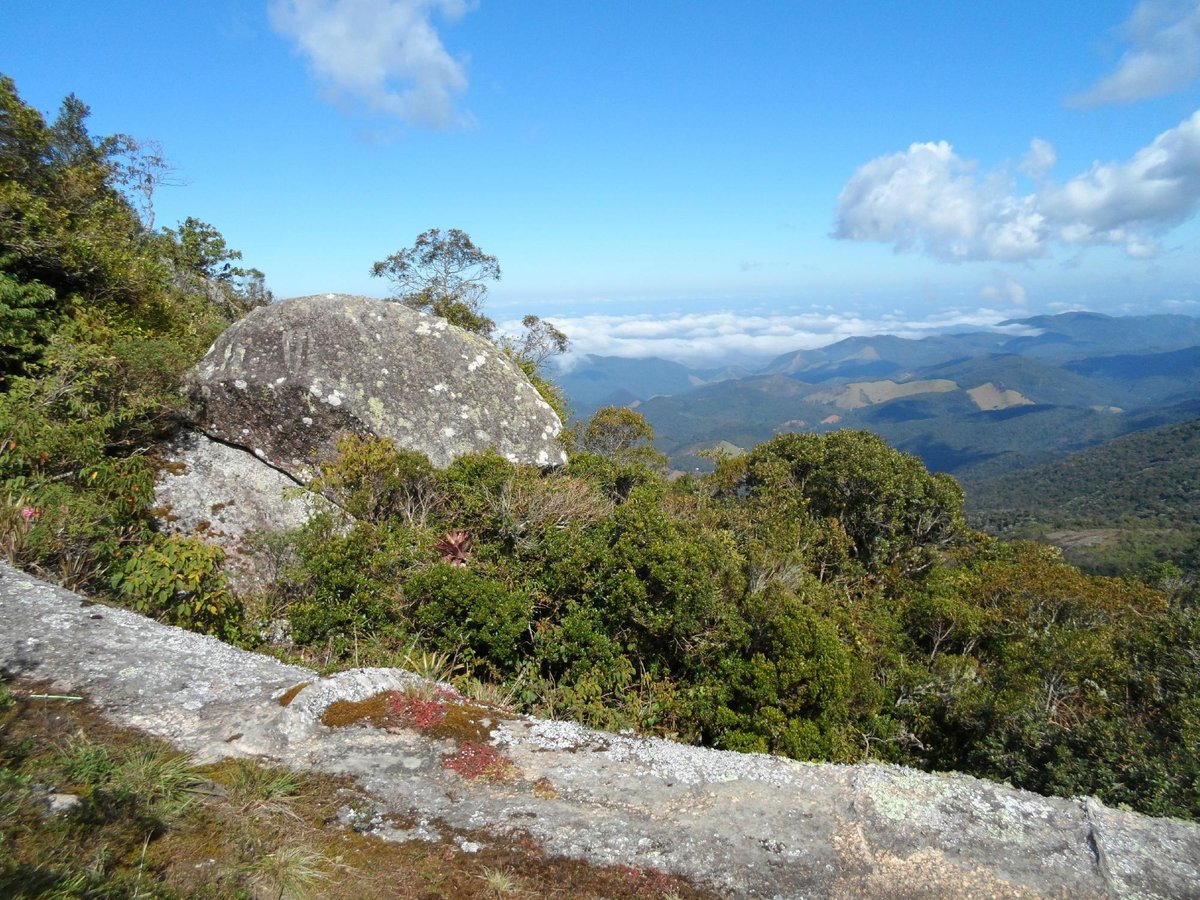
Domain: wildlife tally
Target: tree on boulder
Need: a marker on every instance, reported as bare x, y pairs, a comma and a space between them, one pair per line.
446, 275
443, 274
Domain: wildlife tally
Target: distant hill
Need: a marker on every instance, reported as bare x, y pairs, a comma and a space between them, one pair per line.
975, 405
596, 381
1137, 495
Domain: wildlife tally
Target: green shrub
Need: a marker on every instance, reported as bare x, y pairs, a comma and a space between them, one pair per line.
346, 585
180, 580
462, 612
374, 481
790, 693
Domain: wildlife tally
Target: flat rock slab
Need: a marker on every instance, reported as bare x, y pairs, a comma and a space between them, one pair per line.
741, 824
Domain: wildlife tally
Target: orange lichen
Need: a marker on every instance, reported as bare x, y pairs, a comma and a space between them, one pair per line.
288, 697
375, 711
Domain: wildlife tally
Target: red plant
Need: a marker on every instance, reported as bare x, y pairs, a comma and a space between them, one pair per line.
475, 761
455, 547
422, 713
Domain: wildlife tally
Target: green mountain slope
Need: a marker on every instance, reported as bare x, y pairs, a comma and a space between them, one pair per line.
596, 381
1138, 494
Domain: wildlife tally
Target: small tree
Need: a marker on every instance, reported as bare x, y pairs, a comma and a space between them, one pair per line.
443, 274
199, 251
622, 435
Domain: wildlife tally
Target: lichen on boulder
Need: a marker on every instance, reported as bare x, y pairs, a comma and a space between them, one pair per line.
290, 379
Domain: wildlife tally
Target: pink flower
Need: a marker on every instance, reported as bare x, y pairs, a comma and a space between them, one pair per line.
28, 513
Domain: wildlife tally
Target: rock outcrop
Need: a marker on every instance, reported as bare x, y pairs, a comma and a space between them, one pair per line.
223, 494
290, 379
740, 824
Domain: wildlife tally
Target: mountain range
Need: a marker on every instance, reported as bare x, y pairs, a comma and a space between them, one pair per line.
974, 404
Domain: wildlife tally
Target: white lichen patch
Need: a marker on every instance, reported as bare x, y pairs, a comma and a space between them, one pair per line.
437, 388
422, 328
543, 458
240, 384
335, 398
306, 420
479, 360
904, 796
315, 389
449, 432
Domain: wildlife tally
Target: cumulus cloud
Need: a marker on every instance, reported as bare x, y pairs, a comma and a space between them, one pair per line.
1163, 54
716, 338
385, 55
930, 199
1125, 203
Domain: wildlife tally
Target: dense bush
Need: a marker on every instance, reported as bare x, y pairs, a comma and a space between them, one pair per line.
99, 317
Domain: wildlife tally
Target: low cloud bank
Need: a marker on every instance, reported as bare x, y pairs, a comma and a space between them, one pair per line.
719, 338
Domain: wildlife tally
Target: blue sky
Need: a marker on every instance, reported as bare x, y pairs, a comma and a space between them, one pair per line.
698, 180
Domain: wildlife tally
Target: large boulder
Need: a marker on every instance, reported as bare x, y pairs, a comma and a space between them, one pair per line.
290, 379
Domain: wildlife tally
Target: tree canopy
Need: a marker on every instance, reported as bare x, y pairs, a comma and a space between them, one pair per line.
444, 274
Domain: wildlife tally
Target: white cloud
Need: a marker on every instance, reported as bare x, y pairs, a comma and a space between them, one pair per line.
931, 199
1164, 54
1038, 159
716, 338
1118, 203
383, 54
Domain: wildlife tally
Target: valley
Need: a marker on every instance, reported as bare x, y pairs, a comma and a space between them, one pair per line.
1079, 428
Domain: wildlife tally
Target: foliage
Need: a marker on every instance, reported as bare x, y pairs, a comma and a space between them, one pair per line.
896, 514
98, 321
818, 597
373, 481
180, 579
620, 434
444, 274
478, 618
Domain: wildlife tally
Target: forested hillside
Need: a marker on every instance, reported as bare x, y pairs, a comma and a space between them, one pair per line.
819, 596
100, 314
1129, 502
